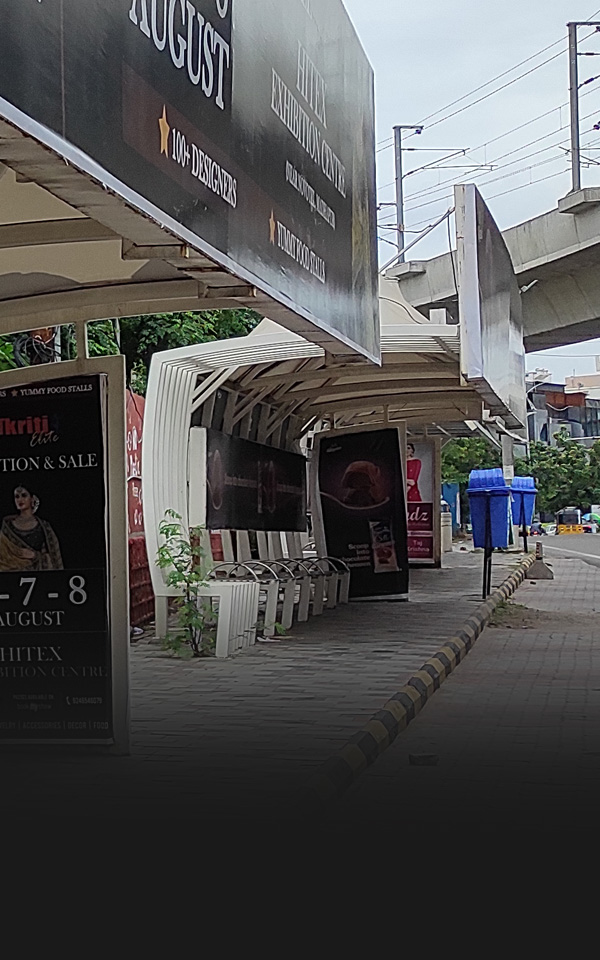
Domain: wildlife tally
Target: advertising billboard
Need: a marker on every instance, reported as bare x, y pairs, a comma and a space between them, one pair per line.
244, 126
492, 352
420, 503
361, 515
251, 486
55, 648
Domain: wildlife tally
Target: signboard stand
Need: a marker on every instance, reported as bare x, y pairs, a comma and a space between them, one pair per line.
523, 526
488, 551
73, 700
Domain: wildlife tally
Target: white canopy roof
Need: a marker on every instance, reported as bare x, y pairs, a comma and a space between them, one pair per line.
295, 386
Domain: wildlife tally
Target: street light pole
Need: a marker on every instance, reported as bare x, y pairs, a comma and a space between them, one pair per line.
400, 185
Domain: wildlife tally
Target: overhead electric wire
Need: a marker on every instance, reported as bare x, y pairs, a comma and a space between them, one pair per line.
507, 133
390, 227
384, 144
484, 85
551, 176
502, 156
505, 176
492, 93
479, 176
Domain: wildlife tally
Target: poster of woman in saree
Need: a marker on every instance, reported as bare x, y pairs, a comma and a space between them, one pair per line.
26, 541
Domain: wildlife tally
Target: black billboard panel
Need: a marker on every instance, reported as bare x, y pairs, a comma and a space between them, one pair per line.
363, 513
55, 663
249, 123
493, 355
251, 486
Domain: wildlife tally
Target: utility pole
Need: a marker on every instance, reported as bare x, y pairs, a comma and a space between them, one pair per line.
400, 185
574, 99
401, 176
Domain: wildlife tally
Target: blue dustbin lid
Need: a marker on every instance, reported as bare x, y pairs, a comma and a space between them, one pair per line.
484, 483
486, 479
524, 485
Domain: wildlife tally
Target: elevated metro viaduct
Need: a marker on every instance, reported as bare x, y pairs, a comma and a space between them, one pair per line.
557, 260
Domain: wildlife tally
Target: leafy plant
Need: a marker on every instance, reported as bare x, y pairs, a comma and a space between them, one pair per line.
462, 455
184, 559
7, 360
567, 474
139, 338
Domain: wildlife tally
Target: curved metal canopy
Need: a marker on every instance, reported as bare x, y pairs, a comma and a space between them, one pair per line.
274, 387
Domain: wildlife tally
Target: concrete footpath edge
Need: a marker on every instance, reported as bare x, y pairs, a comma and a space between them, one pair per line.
338, 773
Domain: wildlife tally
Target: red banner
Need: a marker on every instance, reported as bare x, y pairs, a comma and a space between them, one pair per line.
135, 426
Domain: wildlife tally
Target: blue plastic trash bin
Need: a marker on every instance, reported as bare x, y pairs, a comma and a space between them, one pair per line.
487, 490
523, 493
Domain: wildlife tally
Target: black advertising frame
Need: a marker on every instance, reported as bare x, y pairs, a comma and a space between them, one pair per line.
358, 494
251, 486
55, 631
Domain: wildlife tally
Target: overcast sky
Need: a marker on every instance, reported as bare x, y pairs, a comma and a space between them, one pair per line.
428, 54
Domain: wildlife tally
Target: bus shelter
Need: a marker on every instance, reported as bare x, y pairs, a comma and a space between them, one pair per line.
275, 388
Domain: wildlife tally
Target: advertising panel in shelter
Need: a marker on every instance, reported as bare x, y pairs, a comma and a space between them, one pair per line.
251, 486
361, 499
420, 460
55, 663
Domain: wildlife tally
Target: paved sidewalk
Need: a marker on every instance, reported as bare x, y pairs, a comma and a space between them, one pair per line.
516, 728
244, 735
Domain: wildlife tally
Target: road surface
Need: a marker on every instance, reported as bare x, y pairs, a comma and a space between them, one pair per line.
579, 546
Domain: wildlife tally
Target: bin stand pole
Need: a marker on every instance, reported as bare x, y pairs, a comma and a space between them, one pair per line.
487, 557
523, 524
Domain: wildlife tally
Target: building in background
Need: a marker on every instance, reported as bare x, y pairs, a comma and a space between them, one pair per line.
553, 407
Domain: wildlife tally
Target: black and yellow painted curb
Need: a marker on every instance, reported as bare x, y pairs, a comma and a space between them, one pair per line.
340, 772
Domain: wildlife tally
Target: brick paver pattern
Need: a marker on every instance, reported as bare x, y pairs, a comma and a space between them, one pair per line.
515, 729
245, 734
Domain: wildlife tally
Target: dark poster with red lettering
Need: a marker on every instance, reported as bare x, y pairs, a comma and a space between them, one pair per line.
55, 669
419, 501
251, 486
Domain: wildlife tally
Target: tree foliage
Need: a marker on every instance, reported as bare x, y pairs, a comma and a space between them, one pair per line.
141, 337
138, 338
464, 454
7, 360
567, 475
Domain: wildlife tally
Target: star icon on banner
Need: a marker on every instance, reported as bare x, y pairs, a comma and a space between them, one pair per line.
272, 227
15, 393
165, 130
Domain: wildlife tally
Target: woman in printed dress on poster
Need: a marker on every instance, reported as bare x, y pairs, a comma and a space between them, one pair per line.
413, 471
